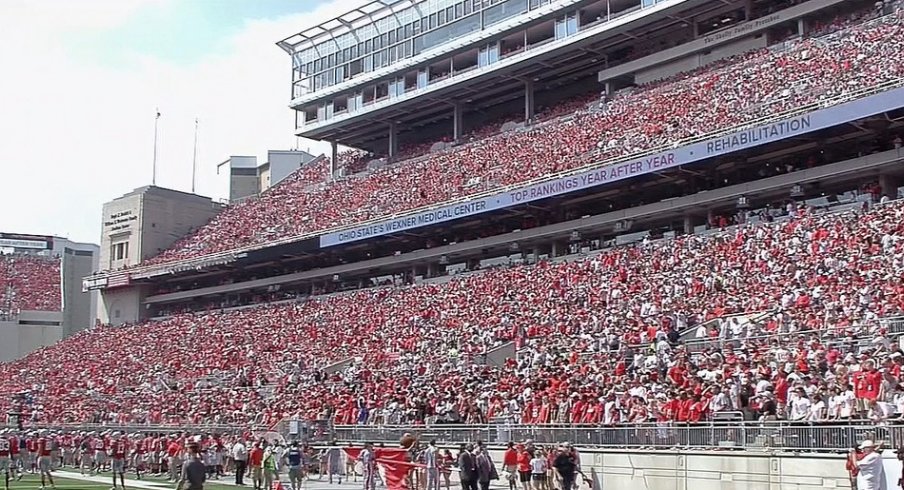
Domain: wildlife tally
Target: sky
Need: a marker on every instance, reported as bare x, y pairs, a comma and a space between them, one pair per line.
82, 81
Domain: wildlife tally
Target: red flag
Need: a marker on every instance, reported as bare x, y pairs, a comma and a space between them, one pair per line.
392, 463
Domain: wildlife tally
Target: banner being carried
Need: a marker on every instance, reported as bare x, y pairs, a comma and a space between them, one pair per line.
392, 464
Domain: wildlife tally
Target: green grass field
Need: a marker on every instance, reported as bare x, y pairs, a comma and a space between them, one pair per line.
210, 485
32, 482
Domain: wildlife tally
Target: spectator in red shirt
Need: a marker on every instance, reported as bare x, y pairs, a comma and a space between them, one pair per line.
510, 464
256, 463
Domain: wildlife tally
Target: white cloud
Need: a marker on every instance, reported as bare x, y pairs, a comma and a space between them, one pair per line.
75, 134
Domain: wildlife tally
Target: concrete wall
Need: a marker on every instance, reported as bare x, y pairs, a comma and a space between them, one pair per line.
19, 338
150, 219
120, 225
121, 305
715, 39
80, 308
697, 60
168, 215
283, 163
717, 470
244, 180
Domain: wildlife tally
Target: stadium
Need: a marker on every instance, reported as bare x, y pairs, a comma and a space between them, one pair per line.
669, 234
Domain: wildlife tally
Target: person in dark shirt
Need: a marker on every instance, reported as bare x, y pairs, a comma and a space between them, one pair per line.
293, 459
768, 408
673, 336
565, 465
467, 468
194, 473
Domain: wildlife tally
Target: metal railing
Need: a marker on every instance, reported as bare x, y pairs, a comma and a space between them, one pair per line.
778, 435
163, 428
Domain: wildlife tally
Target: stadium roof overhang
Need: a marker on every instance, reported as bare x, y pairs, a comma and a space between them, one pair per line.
548, 69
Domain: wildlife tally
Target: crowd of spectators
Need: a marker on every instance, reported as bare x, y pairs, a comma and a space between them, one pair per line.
597, 341
29, 282
733, 92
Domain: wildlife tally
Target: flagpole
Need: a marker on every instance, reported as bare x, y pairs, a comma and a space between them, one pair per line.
194, 158
154, 169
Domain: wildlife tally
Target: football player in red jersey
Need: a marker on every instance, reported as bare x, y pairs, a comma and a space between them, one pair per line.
43, 448
5, 459
86, 453
31, 454
99, 444
15, 454
152, 446
120, 449
67, 443
139, 454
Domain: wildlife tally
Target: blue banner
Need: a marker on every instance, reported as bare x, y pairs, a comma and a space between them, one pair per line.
759, 135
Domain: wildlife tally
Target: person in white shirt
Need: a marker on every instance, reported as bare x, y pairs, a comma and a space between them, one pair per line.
240, 456
538, 471
846, 403
817, 410
872, 474
800, 406
879, 412
721, 402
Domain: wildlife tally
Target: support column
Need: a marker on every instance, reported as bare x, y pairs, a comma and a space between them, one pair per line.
528, 100
690, 222
554, 250
457, 121
473, 264
334, 158
889, 185
748, 10
431, 270
801, 27
393, 140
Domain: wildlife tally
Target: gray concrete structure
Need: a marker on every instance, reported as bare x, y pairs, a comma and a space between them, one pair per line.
248, 179
140, 225
146, 221
77, 261
244, 179
28, 332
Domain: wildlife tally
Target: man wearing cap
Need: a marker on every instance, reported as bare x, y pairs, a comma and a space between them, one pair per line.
871, 475
293, 459
194, 472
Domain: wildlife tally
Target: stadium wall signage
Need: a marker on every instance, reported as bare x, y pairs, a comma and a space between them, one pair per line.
4, 242
759, 135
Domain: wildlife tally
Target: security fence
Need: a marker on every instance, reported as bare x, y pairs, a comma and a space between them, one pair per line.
777, 435
131, 428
